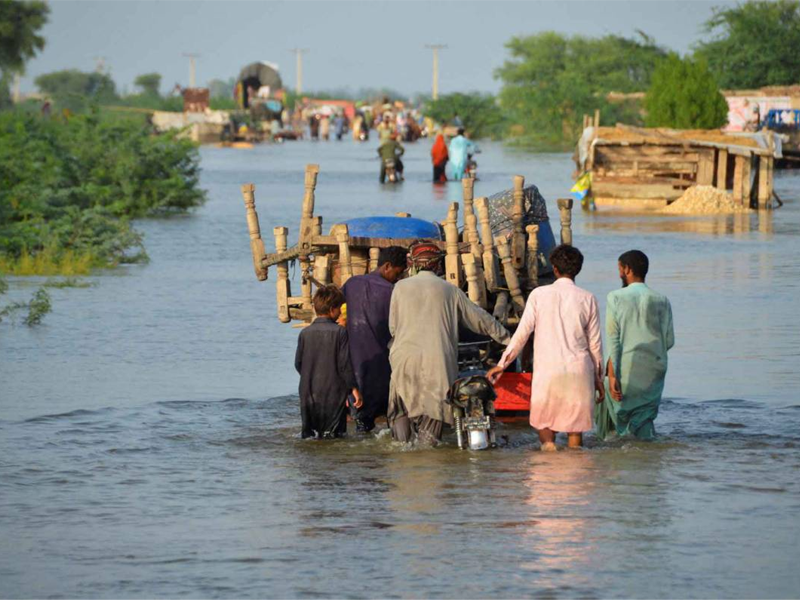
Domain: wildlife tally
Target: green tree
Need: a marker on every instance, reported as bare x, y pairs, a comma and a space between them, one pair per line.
480, 113
217, 88
684, 95
74, 89
149, 83
552, 80
757, 44
20, 23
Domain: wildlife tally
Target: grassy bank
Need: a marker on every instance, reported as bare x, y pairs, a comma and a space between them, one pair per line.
69, 188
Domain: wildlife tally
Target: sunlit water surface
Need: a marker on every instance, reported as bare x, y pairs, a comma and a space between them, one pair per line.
148, 428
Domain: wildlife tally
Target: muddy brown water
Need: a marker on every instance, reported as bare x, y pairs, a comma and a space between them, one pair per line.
148, 430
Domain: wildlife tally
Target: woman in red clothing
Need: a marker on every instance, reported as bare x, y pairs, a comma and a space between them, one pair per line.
439, 157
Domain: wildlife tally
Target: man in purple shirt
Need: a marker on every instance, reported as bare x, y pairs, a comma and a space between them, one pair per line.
368, 298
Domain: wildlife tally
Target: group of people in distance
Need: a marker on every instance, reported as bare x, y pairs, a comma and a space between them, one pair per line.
396, 355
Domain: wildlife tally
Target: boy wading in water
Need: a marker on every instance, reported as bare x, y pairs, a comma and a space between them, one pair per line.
326, 375
567, 352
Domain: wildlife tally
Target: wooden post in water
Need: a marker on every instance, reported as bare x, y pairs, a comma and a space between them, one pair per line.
722, 169
256, 243
452, 260
476, 286
518, 239
490, 269
533, 256
738, 178
747, 180
282, 287
373, 259
345, 264
565, 208
512, 280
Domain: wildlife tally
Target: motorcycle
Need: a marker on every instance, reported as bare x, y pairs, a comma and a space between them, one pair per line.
471, 398
390, 167
471, 170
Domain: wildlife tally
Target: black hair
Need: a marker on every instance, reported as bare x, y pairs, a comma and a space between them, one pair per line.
636, 261
567, 259
327, 298
394, 255
460, 131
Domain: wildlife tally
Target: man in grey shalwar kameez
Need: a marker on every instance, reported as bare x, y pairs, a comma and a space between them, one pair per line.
424, 319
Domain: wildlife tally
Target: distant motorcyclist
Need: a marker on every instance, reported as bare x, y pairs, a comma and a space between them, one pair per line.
385, 127
391, 149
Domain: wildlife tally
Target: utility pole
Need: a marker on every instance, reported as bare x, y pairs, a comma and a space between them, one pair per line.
192, 67
100, 64
436, 48
299, 55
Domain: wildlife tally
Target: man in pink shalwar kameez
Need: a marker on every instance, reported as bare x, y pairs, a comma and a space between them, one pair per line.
567, 352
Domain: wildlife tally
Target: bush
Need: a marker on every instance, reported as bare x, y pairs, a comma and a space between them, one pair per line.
684, 95
552, 80
754, 44
480, 113
68, 189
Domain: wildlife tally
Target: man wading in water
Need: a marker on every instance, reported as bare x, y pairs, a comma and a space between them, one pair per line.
424, 319
368, 298
567, 352
639, 334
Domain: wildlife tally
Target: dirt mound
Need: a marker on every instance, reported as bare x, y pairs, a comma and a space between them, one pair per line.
704, 199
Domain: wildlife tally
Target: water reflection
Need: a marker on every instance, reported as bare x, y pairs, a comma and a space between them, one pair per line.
718, 225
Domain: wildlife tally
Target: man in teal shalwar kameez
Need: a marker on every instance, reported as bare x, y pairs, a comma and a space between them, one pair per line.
639, 333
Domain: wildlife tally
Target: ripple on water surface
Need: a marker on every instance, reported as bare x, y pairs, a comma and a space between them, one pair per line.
223, 498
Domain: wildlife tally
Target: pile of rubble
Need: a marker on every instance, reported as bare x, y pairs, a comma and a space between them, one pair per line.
704, 199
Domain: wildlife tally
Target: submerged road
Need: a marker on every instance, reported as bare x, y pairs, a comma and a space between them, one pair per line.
148, 428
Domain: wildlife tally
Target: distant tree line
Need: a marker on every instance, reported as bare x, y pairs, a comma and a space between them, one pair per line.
551, 80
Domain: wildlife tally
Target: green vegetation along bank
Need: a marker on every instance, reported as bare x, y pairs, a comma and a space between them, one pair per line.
70, 186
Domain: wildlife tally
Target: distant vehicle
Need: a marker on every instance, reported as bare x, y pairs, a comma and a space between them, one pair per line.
390, 166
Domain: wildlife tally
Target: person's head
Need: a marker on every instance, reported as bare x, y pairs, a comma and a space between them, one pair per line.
426, 256
460, 131
328, 301
393, 136
633, 266
567, 261
392, 263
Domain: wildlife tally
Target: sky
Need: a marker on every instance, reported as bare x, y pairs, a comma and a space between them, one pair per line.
350, 44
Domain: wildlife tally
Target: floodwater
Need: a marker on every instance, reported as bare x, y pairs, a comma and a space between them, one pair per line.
148, 429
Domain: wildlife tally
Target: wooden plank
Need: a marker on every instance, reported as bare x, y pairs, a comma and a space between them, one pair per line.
631, 203
705, 168
722, 170
638, 191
